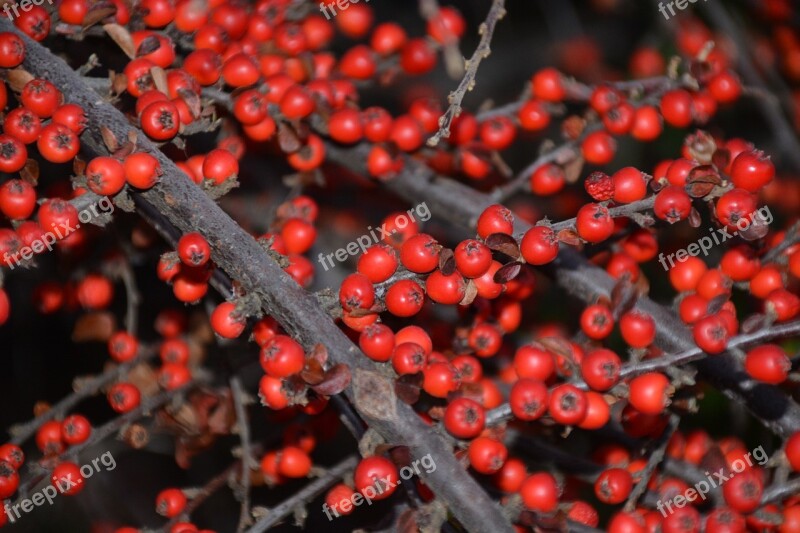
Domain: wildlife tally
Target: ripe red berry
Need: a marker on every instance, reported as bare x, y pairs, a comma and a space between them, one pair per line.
672, 204
629, 185
404, 298
768, 363
597, 321
282, 356
122, 346
67, 478
440, 379
464, 418
170, 502
528, 399
226, 321
676, 107
539, 245
446, 290
711, 334
594, 223
375, 477
12, 454
540, 492
487, 455
420, 253
751, 170
649, 393
547, 85
613, 485
638, 329
495, 219
193, 249
600, 369
568, 405
598, 148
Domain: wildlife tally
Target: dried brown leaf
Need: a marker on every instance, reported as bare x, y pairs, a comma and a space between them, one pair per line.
288, 139
447, 261
122, 37
17, 78
470, 292
109, 139
336, 380
569, 236
160, 79
94, 327
313, 373
30, 172
507, 272
503, 243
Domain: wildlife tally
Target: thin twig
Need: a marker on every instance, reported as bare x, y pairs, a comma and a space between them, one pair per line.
243, 426
304, 496
656, 456
467, 83
87, 388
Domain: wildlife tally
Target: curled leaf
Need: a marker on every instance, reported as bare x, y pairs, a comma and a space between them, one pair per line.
503, 243
702, 180
122, 37
313, 373
569, 236
507, 272
447, 261
336, 380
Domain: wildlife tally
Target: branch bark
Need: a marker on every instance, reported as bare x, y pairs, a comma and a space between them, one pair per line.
461, 205
188, 208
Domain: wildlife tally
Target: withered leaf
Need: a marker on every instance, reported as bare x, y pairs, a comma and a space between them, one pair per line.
30, 172
336, 380
192, 100
159, 76
17, 78
122, 37
702, 180
756, 230
96, 326
408, 388
288, 139
721, 158
447, 261
148, 46
694, 218
569, 236
507, 272
716, 303
97, 13
503, 243
573, 169
109, 139
313, 373
319, 353
753, 323
470, 292
623, 296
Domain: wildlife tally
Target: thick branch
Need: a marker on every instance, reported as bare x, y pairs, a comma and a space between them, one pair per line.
188, 208
462, 205
467, 83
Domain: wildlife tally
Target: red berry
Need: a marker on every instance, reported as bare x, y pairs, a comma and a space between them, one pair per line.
649, 393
